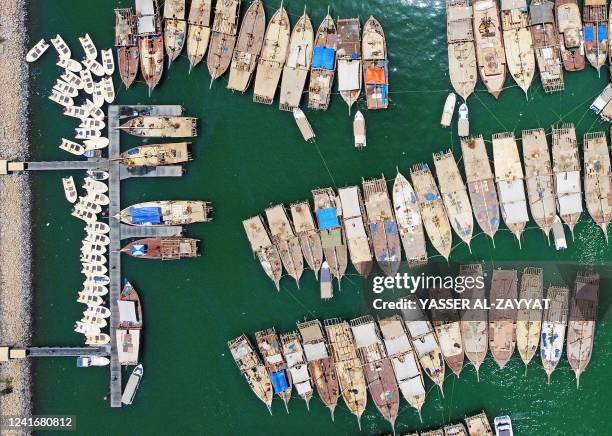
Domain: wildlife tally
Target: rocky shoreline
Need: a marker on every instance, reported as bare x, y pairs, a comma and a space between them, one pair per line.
15, 231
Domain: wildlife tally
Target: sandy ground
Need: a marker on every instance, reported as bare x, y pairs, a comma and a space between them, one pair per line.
15, 237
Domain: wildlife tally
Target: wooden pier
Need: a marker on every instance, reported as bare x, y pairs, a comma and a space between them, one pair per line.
67, 351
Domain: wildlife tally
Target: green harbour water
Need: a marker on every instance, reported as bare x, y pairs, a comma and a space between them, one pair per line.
248, 156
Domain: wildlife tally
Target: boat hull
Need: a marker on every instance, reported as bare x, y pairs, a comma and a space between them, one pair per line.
152, 59
174, 37
383, 388
220, 54
324, 376
387, 248
485, 204
198, 38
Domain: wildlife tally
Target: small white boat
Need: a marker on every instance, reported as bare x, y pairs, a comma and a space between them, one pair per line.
100, 339
69, 64
101, 279
132, 386
94, 66
91, 52
76, 112
108, 62
65, 88
92, 268
98, 95
95, 320
90, 300
449, 110
95, 290
93, 258
36, 52
86, 204
88, 82
94, 111
95, 143
87, 361
303, 124
97, 198
98, 175
327, 289
93, 248
62, 48
61, 99
86, 328
97, 311
88, 217
463, 124
69, 189
98, 227
92, 185
359, 130
98, 238
69, 77
559, 234
83, 133
72, 147
503, 426
108, 90
92, 123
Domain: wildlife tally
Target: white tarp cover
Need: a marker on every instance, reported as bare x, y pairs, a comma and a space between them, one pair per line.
354, 228
405, 369
127, 311
365, 335
144, 7
397, 345
311, 333
417, 328
514, 205
425, 345
411, 387
275, 358
459, 13
302, 388
315, 351
349, 73
146, 25
293, 358
146, 16
506, 5
299, 374
568, 183
350, 202
569, 204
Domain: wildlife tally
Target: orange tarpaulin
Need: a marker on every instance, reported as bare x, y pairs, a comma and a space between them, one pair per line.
375, 76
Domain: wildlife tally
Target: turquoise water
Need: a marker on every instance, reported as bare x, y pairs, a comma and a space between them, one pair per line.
248, 156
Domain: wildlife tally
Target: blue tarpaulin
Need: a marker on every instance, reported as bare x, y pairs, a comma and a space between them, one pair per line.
139, 250
327, 218
324, 58
588, 34
602, 33
279, 381
391, 228
146, 215
133, 151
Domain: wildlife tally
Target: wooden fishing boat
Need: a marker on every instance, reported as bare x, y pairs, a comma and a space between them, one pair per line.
263, 248
298, 63
595, 17
570, 28
128, 346
273, 57
510, 186
455, 430
436, 432
320, 363
198, 33
252, 369
478, 425
502, 320
529, 319
285, 241
223, 39
433, 214
248, 47
303, 125
349, 60
270, 348
323, 65
161, 127
404, 361
61, 47
349, 370
166, 213
409, 223
518, 42
461, 50
448, 330
454, 196
151, 45
175, 28
130, 308
539, 179
89, 48
481, 185
382, 225
152, 155
546, 45
164, 248
333, 241
310, 239
490, 52
298, 368
424, 342
597, 177
354, 220
566, 171
474, 322
375, 65
377, 367
582, 318
37, 51
359, 131
554, 323
69, 189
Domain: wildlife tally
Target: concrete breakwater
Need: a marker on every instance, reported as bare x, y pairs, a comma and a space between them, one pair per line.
15, 231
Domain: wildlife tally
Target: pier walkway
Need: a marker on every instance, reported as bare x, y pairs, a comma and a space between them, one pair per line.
68, 165
67, 351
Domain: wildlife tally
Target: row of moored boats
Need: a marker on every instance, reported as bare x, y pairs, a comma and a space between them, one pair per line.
367, 224
491, 36
252, 48
388, 357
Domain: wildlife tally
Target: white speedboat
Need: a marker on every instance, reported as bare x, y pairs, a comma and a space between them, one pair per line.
36, 52
69, 64
99, 339
69, 189
86, 328
463, 124
98, 227
503, 426
94, 66
91, 52
108, 62
87, 361
62, 48
85, 133
97, 311
132, 386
